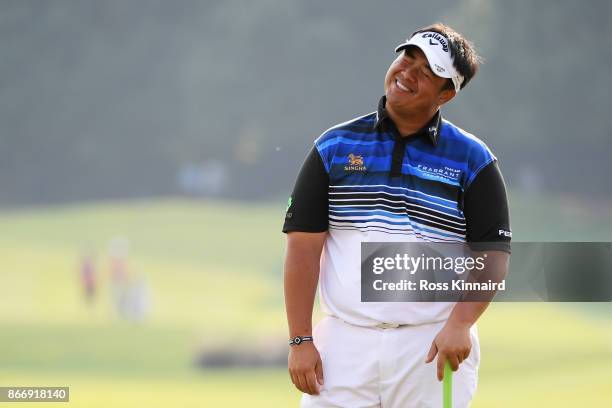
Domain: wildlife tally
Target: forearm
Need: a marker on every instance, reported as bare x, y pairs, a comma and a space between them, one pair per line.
466, 313
300, 280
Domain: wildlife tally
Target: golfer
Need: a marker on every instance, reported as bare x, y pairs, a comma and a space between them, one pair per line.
399, 174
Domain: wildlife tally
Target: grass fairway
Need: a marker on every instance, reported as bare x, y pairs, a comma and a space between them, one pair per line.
215, 276
544, 355
260, 389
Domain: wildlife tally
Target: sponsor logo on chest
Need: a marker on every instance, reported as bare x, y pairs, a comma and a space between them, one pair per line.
444, 172
354, 163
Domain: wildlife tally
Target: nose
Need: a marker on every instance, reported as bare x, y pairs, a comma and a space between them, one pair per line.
409, 73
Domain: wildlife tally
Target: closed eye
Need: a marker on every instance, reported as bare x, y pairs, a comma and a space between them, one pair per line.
407, 60
409, 57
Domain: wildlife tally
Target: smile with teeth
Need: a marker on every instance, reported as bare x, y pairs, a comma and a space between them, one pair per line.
402, 86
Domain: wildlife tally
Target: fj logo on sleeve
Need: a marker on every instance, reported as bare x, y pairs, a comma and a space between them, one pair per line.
504, 233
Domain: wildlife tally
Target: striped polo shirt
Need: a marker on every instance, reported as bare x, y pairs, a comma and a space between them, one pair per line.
381, 182
382, 187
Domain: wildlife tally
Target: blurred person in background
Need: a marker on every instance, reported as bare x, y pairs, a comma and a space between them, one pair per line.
87, 274
401, 173
138, 299
118, 251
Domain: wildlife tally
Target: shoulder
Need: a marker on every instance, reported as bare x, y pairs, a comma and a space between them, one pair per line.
350, 132
355, 128
462, 139
465, 147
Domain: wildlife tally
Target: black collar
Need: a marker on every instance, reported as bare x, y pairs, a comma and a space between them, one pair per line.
431, 129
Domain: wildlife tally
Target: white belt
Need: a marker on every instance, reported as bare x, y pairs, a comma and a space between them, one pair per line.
378, 326
388, 325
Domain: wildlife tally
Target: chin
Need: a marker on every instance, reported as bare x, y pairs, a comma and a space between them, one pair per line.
399, 100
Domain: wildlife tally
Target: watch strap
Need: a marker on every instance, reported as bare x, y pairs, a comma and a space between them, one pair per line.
297, 340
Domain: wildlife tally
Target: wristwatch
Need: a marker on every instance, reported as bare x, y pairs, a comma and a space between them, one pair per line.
297, 340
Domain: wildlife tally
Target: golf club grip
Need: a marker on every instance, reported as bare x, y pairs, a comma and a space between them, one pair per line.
447, 386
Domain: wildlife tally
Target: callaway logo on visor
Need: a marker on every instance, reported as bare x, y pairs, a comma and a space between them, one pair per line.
435, 47
438, 37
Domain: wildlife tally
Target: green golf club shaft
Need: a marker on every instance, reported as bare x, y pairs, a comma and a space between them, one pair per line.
447, 386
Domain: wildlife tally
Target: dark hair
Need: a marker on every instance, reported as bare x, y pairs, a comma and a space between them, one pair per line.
465, 59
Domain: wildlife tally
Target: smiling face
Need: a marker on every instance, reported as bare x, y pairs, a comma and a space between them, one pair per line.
411, 87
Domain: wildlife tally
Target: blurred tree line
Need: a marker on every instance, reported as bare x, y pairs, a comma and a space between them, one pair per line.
112, 99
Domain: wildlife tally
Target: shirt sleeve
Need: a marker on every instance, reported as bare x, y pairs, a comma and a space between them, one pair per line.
307, 209
485, 206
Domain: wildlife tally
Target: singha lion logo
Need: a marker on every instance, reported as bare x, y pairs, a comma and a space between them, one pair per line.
355, 160
355, 163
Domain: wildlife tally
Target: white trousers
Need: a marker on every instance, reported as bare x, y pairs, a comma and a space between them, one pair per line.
374, 367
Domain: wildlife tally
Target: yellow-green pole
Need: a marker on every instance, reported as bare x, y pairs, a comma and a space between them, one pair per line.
447, 386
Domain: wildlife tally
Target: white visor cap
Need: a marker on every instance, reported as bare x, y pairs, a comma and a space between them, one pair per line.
436, 49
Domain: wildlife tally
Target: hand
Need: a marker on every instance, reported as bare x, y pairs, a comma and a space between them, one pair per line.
306, 368
452, 343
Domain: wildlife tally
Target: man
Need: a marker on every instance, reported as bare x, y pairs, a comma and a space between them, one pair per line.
399, 174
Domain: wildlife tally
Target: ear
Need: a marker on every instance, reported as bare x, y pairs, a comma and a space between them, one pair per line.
445, 96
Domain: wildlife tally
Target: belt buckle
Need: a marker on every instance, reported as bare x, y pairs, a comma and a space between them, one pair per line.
387, 325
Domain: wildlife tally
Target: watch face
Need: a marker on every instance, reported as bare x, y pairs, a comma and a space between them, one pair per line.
297, 340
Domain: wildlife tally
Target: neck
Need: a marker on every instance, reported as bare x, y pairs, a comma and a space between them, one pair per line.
409, 123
